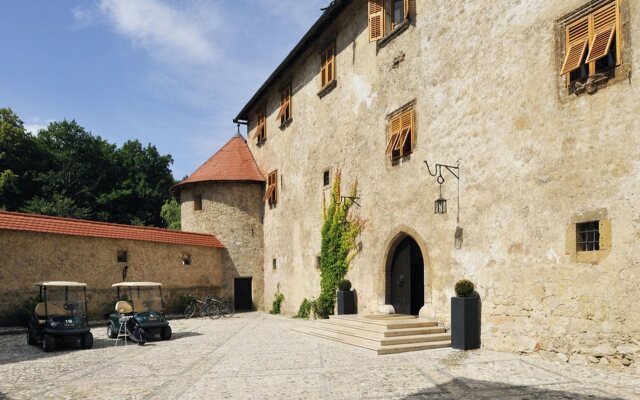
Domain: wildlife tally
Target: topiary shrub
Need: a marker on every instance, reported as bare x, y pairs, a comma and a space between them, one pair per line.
464, 288
344, 285
278, 298
305, 310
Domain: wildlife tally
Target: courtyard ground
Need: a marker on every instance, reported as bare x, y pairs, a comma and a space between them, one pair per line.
258, 356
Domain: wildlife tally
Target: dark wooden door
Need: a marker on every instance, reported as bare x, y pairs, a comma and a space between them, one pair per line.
407, 278
242, 299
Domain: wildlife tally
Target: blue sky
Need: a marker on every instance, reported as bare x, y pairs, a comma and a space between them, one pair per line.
171, 73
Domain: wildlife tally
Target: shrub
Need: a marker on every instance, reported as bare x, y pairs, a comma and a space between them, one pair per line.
278, 298
305, 309
344, 285
464, 288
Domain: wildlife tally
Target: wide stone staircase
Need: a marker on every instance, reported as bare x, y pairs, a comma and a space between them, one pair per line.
385, 334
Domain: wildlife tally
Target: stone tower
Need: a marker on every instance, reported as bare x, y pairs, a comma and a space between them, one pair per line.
224, 197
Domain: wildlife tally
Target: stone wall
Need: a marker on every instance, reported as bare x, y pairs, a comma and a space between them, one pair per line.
534, 161
29, 257
233, 212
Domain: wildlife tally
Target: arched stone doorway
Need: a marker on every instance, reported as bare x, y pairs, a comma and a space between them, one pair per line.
405, 277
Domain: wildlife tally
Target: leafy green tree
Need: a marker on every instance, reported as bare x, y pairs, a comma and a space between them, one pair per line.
170, 213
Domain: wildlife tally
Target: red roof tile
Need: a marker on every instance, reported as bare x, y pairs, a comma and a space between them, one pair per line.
78, 227
233, 162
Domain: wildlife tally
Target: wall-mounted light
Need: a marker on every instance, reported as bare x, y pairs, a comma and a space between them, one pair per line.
440, 205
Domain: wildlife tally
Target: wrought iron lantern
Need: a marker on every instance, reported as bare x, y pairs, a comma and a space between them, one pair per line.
440, 206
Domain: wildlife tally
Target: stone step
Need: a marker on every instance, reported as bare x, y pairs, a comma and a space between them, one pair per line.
382, 328
396, 336
383, 325
340, 337
414, 331
403, 348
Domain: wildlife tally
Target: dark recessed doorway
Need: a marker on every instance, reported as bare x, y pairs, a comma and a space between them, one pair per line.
242, 299
405, 279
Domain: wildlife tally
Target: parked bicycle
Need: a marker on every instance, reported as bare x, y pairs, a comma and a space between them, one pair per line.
224, 307
205, 309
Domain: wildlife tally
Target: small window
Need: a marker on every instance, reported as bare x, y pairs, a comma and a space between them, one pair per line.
123, 256
284, 115
318, 262
592, 44
588, 236
186, 259
401, 137
326, 178
385, 16
271, 195
274, 264
261, 128
197, 202
328, 65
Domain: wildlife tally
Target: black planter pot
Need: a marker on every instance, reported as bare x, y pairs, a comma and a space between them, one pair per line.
346, 302
465, 323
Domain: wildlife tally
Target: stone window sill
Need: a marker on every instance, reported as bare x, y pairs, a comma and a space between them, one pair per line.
327, 88
394, 33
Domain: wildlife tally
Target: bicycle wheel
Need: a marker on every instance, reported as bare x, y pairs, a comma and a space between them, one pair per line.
226, 309
213, 311
189, 311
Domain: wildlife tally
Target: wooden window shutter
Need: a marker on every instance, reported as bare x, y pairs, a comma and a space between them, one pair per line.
577, 39
604, 28
406, 9
376, 20
395, 129
407, 129
285, 105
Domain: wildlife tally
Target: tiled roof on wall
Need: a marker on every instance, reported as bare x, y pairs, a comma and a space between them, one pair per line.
77, 227
233, 162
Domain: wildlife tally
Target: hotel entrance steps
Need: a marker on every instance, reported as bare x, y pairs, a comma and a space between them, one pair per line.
383, 334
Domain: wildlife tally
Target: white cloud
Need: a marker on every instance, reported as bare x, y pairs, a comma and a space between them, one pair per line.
35, 128
175, 35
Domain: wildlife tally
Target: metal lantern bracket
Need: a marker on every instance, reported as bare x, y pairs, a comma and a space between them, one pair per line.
441, 203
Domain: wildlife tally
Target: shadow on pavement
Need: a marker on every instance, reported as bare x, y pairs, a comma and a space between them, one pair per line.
181, 335
458, 389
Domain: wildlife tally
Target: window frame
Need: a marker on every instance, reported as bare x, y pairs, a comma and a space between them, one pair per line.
197, 202
271, 192
381, 19
261, 126
328, 65
284, 114
401, 133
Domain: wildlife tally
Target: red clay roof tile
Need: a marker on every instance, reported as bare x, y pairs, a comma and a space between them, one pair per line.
233, 162
78, 227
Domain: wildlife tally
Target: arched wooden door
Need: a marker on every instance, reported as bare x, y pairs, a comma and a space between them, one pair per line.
407, 278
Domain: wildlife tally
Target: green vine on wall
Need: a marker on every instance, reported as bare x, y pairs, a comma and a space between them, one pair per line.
340, 229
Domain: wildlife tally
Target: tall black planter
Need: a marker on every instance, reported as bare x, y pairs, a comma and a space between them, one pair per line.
346, 302
465, 323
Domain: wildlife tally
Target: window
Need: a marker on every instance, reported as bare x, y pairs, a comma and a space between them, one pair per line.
186, 259
123, 256
592, 44
274, 264
385, 16
271, 195
284, 115
197, 202
401, 134
326, 178
588, 236
261, 129
328, 65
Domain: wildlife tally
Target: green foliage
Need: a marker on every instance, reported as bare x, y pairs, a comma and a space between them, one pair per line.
344, 285
170, 213
339, 232
278, 298
20, 315
464, 288
65, 170
305, 310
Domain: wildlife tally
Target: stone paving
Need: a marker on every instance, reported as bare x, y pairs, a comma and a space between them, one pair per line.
258, 356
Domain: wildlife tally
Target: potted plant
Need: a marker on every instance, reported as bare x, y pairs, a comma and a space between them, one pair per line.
346, 298
465, 317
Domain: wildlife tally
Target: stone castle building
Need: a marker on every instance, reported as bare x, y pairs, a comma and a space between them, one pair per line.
537, 102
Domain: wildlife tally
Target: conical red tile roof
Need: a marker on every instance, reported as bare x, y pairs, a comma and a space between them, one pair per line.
233, 162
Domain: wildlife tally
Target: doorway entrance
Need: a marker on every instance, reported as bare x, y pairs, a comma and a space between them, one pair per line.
405, 278
242, 299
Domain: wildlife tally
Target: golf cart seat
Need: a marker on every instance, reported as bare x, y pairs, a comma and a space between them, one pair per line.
123, 307
53, 309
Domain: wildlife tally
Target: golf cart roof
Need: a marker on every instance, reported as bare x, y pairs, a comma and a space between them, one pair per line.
60, 284
136, 284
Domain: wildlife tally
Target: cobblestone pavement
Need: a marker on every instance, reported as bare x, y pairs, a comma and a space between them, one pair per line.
258, 356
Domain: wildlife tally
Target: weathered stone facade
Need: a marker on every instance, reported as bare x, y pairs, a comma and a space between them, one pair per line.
233, 212
29, 257
534, 161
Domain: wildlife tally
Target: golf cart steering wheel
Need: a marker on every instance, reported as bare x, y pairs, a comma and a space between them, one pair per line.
70, 306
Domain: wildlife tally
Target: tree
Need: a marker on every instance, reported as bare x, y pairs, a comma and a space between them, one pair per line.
170, 213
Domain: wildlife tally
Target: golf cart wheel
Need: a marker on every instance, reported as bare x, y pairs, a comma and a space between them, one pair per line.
111, 331
165, 333
49, 343
86, 340
32, 339
189, 311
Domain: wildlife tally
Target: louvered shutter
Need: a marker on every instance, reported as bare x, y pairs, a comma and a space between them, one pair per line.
407, 129
406, 9
604, 28
577, 39
376, 20
395, 128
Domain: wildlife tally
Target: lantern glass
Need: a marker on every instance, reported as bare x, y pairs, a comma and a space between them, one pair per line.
440, 206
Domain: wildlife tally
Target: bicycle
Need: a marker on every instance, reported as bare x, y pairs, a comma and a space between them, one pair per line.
224, 307
203, 307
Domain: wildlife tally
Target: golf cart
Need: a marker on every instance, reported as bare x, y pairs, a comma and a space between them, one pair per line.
60, 317
142, 301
